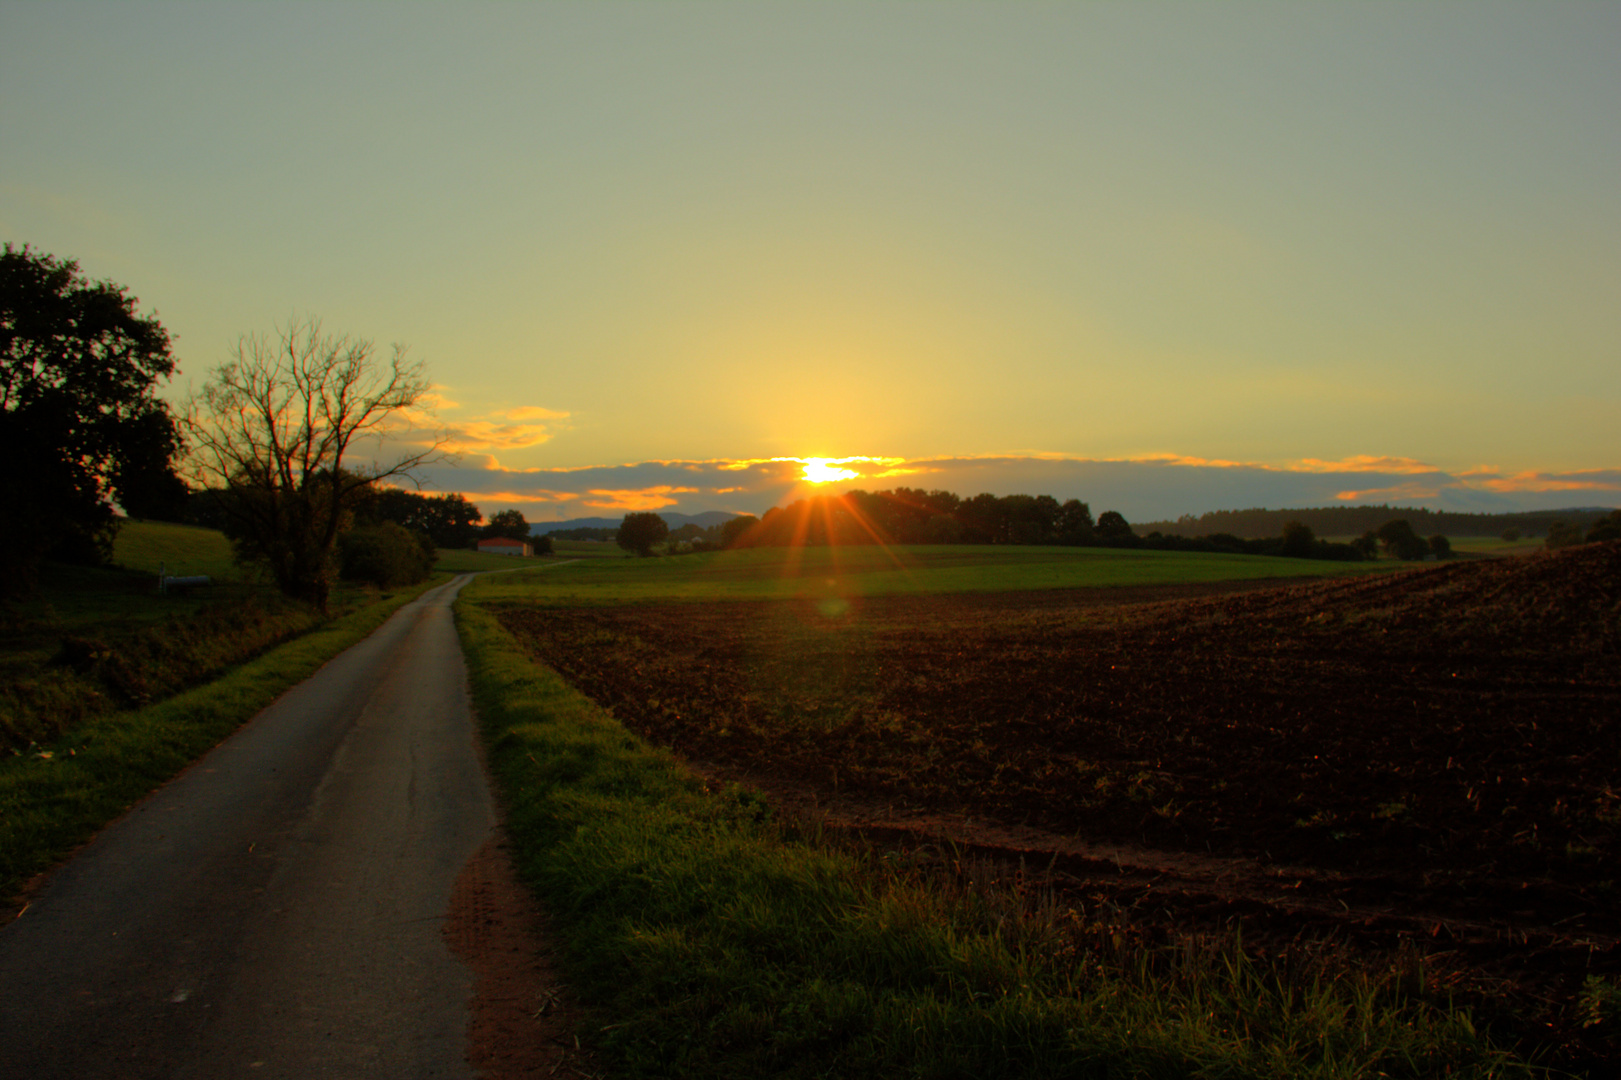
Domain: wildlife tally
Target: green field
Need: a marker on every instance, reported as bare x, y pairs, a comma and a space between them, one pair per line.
784, 573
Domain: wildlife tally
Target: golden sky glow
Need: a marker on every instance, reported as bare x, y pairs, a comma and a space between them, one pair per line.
1258, 241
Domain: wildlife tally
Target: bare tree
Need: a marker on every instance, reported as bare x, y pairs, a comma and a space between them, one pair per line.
276, 432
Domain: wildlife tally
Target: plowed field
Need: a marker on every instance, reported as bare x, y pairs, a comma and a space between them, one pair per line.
1426, 759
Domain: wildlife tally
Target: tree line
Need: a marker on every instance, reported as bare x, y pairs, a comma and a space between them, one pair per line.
269, 451
914, 516
1257, 523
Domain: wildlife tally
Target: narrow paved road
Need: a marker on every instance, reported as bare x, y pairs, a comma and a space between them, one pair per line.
276, 910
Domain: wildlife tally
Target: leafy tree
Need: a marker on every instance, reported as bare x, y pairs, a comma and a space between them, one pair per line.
733, 531
1367, 545
1561, 534
639, 532
1075, 525
386, 555
1440, 547
1606, 528
1298, 541
274, 432
80, 421
1510, 535
1113, 529
450, 519
1400, 540
509, 524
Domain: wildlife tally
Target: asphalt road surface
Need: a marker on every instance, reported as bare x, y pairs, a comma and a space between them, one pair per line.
276, 910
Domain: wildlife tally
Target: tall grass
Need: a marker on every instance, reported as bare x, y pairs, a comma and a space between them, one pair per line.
707, 938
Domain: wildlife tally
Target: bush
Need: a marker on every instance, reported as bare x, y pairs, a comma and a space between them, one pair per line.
1400, 540
1606, 528
386, 555
1561, 535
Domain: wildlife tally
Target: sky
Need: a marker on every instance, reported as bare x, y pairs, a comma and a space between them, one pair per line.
1164, 258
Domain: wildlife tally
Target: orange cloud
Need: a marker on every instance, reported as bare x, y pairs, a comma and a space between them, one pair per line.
1363, 463
1410, 490
1534, 481
653, 498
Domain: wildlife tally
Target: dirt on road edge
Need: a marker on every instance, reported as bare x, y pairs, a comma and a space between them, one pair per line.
519, 1022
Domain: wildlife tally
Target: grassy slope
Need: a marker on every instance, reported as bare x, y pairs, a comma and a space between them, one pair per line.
708, 940
182, 550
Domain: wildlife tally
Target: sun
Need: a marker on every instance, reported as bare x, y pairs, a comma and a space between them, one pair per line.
826, 470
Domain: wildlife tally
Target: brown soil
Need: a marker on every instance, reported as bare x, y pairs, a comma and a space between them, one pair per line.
1421, 760
520, 1024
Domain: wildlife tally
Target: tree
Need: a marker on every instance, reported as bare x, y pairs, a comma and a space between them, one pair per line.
509, 524
80, 422
1440, 546
275, 431
639, 532
1400, 540
1510, 535
1561, 534
1299, 541
1607, 527
1367, 544
450, 519
732, 532
387, 554
1075, 523
1114, 530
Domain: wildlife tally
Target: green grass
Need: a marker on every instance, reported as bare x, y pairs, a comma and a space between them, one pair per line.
780, 573
55, 797
589, 549
705, 938
182, 550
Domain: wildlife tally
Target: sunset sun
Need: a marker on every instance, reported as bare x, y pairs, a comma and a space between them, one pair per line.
826, 470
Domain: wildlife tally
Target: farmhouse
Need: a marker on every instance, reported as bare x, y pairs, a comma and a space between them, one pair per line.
501, 545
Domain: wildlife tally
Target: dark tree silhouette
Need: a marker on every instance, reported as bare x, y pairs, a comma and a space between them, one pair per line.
639, 532
80, 421
1400, 540
509, 524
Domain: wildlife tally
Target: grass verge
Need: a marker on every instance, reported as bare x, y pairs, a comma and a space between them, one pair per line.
705, 938
55, 797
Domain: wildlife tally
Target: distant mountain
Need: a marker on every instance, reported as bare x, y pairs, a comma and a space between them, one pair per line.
706, 520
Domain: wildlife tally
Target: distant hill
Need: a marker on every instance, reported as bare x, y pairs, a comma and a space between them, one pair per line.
1356, 520
706, 520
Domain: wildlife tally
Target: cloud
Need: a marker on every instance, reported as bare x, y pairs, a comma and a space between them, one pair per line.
1364, 463
1407, 492
653, 498
1145, 488
1593, 480
506, 429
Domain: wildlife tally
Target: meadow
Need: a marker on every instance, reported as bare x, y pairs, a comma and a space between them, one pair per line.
1205, 788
